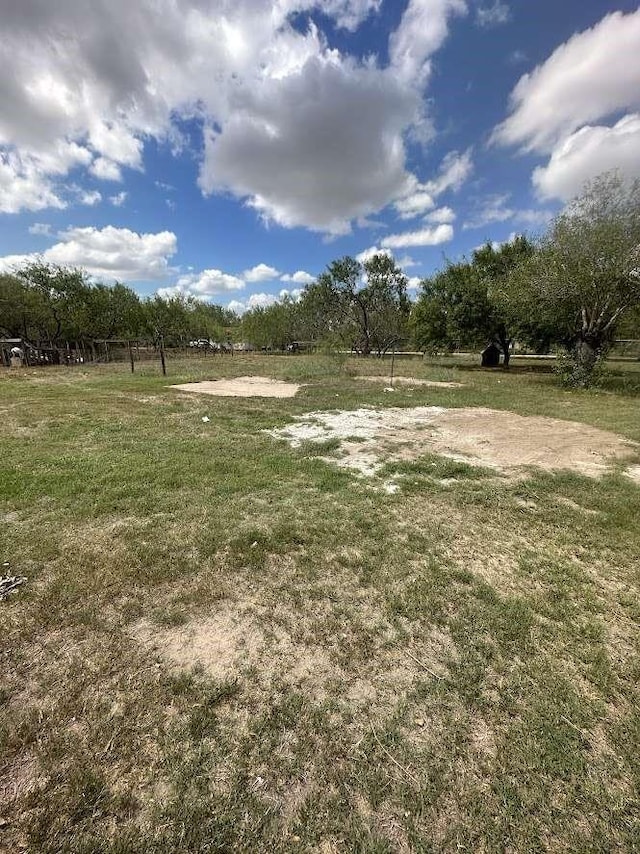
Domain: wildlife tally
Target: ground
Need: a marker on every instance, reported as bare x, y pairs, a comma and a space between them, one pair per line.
227, 643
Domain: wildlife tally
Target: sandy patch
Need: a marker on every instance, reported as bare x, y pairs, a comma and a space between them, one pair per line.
410, 381
634, 473
238, 638
484, 437
242, 387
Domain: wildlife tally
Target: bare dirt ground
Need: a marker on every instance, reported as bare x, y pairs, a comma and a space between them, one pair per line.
484, 437
410, 381
241, 637
242, 387
634, 473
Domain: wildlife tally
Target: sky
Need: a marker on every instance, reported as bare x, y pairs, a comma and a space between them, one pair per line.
231, 149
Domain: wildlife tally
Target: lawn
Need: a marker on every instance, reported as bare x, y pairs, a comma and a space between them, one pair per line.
228, 644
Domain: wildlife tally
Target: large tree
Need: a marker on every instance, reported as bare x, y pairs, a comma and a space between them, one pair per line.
584, 277
364, 305
461, 305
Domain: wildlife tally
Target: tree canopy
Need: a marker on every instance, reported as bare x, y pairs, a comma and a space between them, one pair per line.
461, 306
583, 278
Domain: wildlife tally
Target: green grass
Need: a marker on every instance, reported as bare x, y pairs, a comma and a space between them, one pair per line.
450, 668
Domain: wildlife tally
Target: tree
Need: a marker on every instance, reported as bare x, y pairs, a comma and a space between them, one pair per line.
364, 305
461, 305
54, 294
584, 277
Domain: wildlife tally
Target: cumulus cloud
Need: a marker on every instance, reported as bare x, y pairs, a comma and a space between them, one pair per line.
367, 254
589, 152
101, 80
260, 300
119, 199
106, 170
338, 156
424, 237
261, 273
209, 283
295, 294
24, 187
494, 15
593, 75
108, 253
441, 215
89, 197
300, 277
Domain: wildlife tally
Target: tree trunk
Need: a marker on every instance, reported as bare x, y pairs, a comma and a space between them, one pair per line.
586, 356
505, 346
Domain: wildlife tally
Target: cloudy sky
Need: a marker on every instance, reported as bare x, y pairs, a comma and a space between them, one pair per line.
231, 148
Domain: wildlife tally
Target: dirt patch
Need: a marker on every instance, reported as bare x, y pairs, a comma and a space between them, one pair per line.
483, 437
242, 387
634, 473
240, 638
410, 381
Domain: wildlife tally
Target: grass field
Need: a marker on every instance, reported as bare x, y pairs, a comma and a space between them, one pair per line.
226, 644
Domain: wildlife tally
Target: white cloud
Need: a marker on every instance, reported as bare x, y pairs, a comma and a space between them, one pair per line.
109, 253
414, 283
496, 208
9, 263
493, 209
261, 273
441, 215
237, 306
119, 199
454, 171
314, 165
23, 187
414, 205
304, 134
349, 14
294, 294
367, 254
42, 229
425, 237
300, 277
105, 169
89, 197
406, 262
587, 153
209, 283
260, 300
423, 29
493, 16
593, 75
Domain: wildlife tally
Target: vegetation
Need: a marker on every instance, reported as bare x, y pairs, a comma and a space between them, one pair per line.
461, 306
574, 289
583, 280
454, 667
54, 305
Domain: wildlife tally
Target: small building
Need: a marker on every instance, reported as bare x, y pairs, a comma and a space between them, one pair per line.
491, 356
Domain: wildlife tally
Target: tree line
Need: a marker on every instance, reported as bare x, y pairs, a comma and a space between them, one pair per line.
572, 290
54, 306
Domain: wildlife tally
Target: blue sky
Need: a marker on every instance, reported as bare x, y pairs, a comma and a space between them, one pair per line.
230, 150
